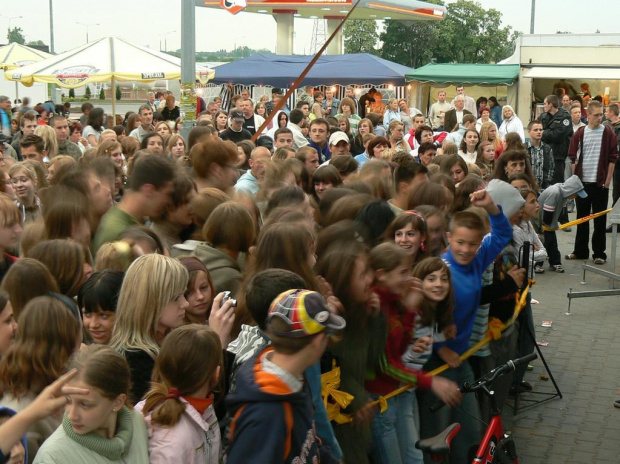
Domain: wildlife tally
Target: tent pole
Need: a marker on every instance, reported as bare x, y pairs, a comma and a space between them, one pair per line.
16, 91
113, 100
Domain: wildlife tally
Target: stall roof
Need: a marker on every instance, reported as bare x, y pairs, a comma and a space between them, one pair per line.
476, 74
282, 70
555, 72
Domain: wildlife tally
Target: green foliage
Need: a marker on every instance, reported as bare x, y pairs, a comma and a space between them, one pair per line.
71, 93
87, 93
102, 94
36, 43
360, 36
16, 35
468, 34
119, 94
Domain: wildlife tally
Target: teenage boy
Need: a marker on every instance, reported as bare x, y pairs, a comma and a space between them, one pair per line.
273, 418
407, 175
469, 254
551, 202
541, 155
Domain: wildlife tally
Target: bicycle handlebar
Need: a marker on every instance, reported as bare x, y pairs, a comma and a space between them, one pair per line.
489, 378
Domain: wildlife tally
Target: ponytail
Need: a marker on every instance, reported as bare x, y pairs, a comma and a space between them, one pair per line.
165, 403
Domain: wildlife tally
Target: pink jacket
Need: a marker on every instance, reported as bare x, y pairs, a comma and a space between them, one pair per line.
195, 439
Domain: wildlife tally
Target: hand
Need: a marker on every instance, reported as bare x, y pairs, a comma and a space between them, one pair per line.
53, 397
422, 344
221, 319
482, 199
450, 332
518, 275
446, 390
451, 358
413, 299
373, 306
364, 414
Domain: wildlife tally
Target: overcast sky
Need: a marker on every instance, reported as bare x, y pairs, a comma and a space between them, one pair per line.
149, 22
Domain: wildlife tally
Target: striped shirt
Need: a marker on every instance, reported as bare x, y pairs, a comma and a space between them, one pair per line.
591, 152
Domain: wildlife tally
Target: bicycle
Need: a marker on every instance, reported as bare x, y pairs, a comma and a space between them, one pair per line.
497, 446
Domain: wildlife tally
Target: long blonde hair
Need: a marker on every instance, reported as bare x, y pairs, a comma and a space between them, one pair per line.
484, 135
49, 137
151, 282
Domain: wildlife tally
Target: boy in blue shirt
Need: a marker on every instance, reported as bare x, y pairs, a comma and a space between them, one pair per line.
469, 254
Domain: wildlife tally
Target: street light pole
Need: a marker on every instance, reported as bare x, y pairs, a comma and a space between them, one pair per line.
87, 26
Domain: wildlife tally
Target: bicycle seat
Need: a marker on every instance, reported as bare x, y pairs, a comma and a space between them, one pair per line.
440, 443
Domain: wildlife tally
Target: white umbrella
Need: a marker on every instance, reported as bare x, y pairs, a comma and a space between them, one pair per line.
104, 60
16, 55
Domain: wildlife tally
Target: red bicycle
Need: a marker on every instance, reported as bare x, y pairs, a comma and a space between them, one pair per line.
497, 446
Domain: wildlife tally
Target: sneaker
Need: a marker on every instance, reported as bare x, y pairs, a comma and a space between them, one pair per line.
599, 261
568, 229
617, 404
538, 269
556, 268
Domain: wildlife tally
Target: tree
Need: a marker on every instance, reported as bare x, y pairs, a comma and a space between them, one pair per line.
468, 34
102, 94
408, 44
87, 93
119, 94
360, 36
36, 43
16, 35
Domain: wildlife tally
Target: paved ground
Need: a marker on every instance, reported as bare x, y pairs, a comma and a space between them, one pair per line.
584, 357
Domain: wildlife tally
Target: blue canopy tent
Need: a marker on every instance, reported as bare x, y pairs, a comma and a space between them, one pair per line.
283, 70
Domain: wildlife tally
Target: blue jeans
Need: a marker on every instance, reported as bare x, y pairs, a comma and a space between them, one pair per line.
395, 432
467, 414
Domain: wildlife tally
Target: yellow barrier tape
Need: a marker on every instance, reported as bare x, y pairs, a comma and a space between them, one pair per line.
496, 327
578, 221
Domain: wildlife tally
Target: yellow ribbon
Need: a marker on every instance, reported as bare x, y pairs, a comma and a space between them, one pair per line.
578, 221
494, 332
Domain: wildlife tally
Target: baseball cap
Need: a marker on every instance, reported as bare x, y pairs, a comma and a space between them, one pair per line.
338, 136
265, 141
237, 115
277, 91
305, 313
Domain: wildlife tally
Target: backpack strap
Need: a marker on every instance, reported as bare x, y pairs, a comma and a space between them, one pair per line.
288, 418
233, 422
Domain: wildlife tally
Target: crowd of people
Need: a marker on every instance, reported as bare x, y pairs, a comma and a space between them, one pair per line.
168, 299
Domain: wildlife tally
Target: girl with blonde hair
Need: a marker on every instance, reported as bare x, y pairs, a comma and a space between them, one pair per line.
488, 133
24, 181
48, 135
150, 304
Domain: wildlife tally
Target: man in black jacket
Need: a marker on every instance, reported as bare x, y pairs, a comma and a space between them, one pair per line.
557, 132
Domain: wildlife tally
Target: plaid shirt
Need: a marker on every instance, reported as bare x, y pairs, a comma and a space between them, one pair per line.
541, 159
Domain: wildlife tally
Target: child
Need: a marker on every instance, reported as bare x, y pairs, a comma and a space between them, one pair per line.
408, 231
260, 291
541, 155
179, 406
394, 431
469, 254
524, 230
272, 407
551, 202
435, 220
344, 265
97, 425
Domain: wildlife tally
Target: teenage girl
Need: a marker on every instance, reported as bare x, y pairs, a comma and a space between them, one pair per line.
179, 407
394, 431
408, 231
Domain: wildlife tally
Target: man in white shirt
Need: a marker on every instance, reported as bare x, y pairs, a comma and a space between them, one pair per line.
296, 117
437, 108
470, 103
